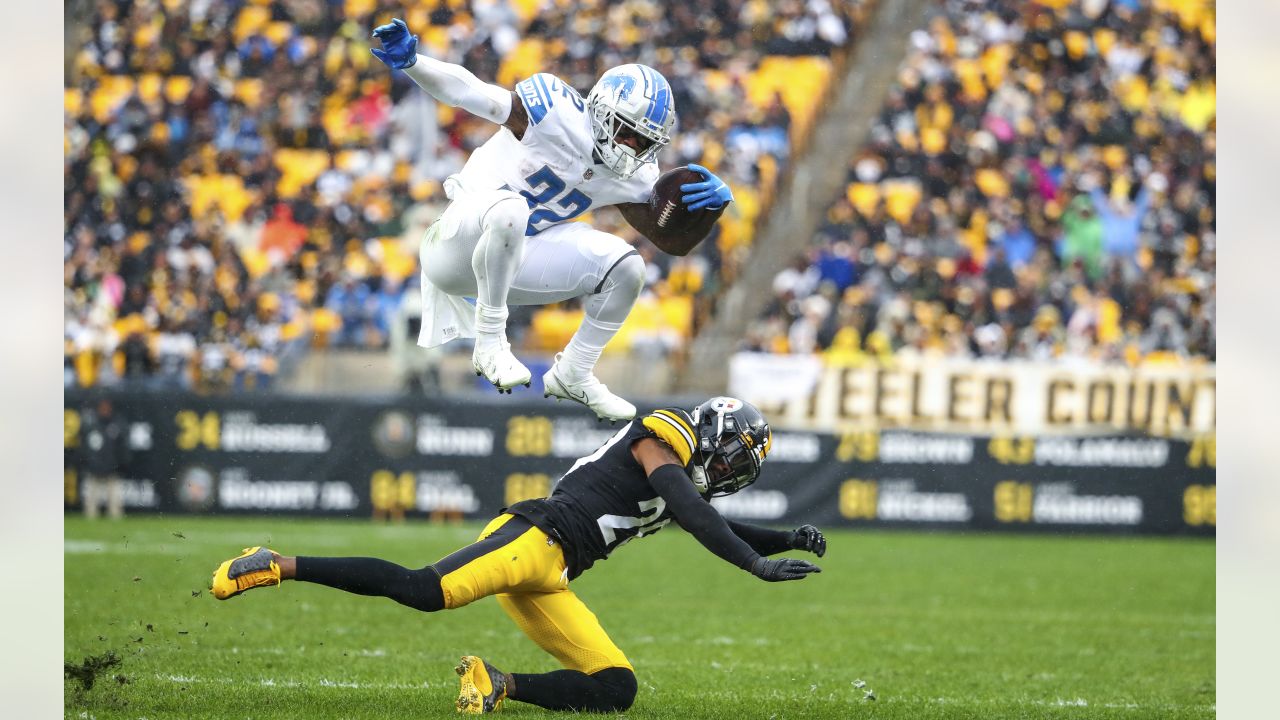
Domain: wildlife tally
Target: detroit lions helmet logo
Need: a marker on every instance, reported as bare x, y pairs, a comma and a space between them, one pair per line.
622, 84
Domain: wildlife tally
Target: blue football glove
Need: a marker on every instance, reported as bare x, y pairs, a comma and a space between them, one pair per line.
711, 194
399, 47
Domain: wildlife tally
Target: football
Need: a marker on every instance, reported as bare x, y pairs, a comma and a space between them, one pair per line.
669, 213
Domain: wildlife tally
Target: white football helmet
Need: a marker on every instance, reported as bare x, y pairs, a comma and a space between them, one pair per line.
630, 102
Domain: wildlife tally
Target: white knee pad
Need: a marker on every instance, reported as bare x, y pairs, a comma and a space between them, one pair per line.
625, 277
507, 217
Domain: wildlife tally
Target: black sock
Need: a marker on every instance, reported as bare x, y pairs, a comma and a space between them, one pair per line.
609, 690
419, 589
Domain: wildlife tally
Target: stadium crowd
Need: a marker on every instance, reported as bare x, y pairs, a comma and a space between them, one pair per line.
1040, 184
243, 181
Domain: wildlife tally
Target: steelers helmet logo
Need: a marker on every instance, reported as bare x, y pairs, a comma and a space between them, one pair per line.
393, 434
725, 404
195, 488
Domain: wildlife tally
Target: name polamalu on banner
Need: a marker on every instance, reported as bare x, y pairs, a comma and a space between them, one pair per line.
979, 397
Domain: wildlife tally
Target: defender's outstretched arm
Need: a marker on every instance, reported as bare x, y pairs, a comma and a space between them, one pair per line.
703, 522
451, 84
767, 541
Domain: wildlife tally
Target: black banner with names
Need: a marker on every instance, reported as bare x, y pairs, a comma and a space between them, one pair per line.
424, 457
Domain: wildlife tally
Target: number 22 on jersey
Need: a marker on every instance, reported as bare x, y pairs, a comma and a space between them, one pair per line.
546, 186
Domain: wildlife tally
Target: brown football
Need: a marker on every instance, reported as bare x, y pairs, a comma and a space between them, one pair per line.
669, 213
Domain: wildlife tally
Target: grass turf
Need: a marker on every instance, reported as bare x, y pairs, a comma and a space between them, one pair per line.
938, 626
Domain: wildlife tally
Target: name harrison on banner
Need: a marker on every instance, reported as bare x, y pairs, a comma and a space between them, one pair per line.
979, 397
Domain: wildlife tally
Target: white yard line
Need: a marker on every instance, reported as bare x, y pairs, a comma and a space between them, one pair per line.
1056, 702
278, 682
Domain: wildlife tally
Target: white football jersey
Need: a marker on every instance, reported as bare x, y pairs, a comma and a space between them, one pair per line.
552, 165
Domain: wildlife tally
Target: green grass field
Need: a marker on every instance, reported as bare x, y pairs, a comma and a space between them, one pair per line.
938, 626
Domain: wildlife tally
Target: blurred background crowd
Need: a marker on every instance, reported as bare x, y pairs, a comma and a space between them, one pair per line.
1040, 184
244, 183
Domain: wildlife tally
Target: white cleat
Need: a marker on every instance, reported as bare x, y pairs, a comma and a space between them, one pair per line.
500, 367
588, 391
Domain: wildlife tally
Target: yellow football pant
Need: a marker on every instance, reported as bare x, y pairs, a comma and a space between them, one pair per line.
527, 572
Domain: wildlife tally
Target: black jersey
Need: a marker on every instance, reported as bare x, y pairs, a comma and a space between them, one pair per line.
605, 499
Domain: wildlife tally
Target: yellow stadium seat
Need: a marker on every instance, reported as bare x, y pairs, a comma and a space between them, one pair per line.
252, 19
146, 34
397, 263
969, 73
150, 86
435, 39
1076, 42
1199, 105
995, 63
278, 32
255, 261
801, 81
864, 197
991, 182
677, 314
299, 168
226, 192
523, 61
345, 160
1104, 39
249, 91
293, 329
359, 7
526, 9
716, 80
901, 198
933, 140
324, 322
552, 326
72, 101
112, 90
177, 88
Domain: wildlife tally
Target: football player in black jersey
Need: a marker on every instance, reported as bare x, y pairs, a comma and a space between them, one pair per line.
661, 467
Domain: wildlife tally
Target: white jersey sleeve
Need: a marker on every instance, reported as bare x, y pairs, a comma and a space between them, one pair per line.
552, 105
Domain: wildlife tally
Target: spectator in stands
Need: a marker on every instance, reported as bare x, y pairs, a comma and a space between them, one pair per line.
103, 437
282, 236
356, 306
1015, 128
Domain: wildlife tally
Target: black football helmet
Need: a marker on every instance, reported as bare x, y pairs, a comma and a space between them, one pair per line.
733, 440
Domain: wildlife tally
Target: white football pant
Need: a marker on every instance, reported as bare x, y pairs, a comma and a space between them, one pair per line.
477, 248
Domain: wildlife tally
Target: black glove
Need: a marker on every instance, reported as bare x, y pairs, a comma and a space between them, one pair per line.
808, 537
782, 569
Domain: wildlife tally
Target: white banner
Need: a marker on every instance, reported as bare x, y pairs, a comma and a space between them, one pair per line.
979, 396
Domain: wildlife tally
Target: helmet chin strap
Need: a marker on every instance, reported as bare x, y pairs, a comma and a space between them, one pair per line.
699, 476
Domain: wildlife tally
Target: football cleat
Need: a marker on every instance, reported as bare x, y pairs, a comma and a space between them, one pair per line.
500, 367
255, 567
588, 391
483, 688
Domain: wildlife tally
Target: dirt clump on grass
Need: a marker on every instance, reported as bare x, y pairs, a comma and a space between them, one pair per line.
93, 666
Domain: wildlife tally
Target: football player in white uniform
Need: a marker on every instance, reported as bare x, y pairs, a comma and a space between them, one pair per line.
504, 239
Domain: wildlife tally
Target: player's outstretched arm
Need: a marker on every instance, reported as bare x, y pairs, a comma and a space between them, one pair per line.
767, 541
701, 520
451, 84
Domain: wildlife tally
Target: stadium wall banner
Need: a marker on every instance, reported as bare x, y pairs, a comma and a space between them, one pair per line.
447, 459
978, 396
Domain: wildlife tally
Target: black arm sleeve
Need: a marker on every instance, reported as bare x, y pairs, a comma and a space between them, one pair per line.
698, 517
761, 539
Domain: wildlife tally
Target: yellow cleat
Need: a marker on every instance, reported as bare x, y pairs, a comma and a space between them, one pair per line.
255, 567
484, 687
